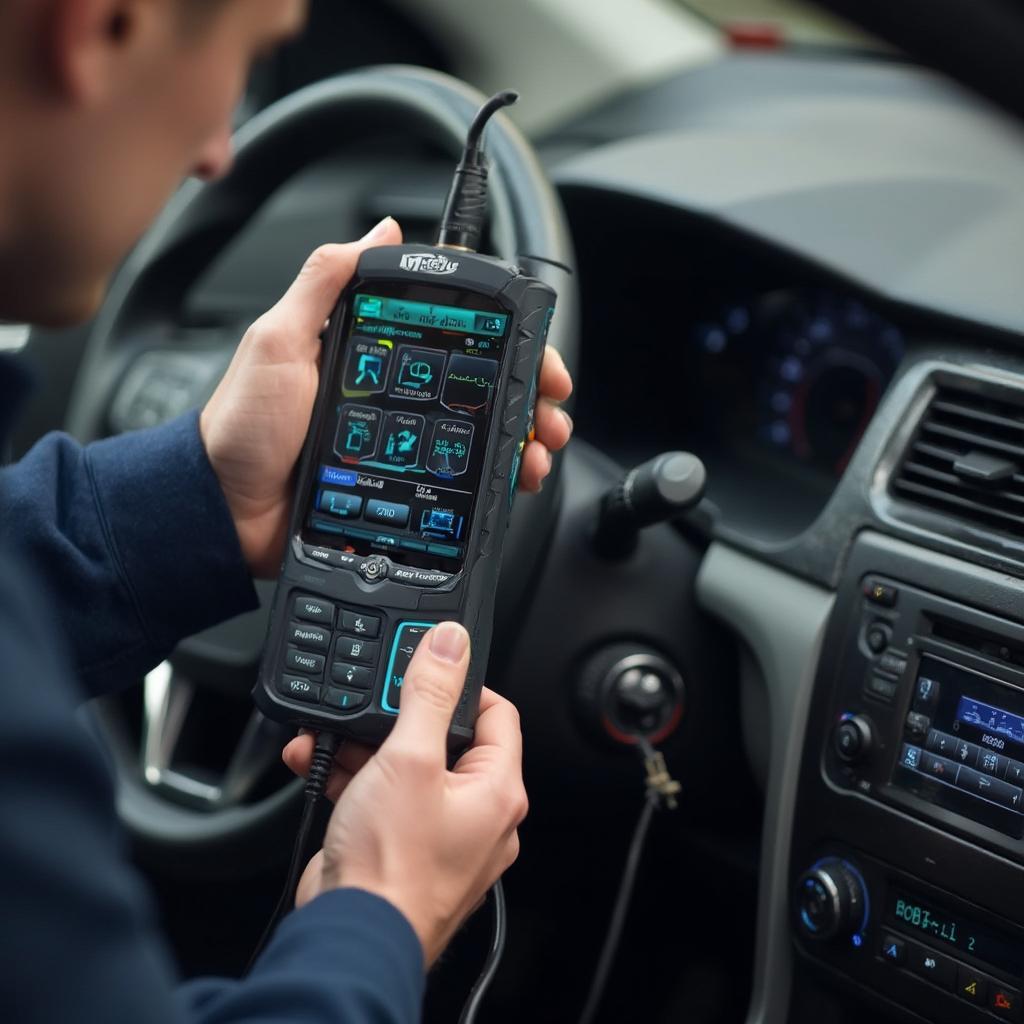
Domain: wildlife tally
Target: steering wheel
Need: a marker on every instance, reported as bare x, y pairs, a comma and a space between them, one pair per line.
144, 361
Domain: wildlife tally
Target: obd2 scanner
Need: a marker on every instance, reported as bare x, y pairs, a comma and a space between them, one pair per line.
406, 480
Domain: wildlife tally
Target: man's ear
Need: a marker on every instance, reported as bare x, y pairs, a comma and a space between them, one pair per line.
85, 43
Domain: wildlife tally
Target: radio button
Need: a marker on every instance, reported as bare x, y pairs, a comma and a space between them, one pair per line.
941, 743
989, 788
917, 726
312, 609
1014, 772
991, 763
926, 693
893, 949
892, 663
934, 967
911, 757
880, 593
940, 768
1003, 1001
882, 687
971, 985
966, 753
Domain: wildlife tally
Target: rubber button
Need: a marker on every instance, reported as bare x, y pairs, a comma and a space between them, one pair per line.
345, 700
303, 635
312, 609
299, 689
304, 661
359, 677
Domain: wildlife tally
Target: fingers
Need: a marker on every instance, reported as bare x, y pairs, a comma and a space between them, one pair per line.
555, 380
536, 466
312, 296
497, 725
349, 759
552, 425
430, 692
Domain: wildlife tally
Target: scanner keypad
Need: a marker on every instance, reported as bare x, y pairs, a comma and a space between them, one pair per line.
325, 643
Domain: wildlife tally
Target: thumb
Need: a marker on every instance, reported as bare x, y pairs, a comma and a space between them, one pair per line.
314, 293
430, 692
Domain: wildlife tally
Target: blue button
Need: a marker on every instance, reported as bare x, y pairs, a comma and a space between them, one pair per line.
340, 504
387, 512
444, 550
386, 540
407, 638
338, 477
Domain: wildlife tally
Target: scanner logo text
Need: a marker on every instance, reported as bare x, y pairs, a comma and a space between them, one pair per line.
428, 263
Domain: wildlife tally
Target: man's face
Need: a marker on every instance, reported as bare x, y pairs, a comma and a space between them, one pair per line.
120, 101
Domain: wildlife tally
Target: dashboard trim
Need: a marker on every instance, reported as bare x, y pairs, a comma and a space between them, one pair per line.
782, 619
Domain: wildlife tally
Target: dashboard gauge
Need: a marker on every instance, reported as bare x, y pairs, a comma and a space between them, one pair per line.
798, 372
830, 360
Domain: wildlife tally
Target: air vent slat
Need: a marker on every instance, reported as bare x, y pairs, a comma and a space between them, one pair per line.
978, 511
969, 412
963, 488
974, 439
966, 430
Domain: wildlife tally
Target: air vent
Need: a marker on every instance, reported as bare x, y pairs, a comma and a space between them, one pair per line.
967, 460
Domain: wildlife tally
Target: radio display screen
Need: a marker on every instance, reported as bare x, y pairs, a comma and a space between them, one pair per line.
971, 759
404, 434
918, 917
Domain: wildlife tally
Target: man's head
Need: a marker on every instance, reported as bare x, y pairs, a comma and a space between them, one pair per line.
105, 106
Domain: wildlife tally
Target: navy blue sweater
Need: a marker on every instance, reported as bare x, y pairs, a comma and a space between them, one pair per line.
110, 554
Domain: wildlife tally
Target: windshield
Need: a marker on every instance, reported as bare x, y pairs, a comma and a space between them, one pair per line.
782, 22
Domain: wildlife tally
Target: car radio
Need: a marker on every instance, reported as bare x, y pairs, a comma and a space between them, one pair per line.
971, 759
906, 866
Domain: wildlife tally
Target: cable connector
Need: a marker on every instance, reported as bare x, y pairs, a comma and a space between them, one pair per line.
465, 209
661, 787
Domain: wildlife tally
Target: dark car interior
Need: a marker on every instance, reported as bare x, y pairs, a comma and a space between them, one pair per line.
803, 266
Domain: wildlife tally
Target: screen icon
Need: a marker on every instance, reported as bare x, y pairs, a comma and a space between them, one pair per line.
358, 433
402, 435
366, 366
469, 383
418, 373
369, 306
450, 444
441, 522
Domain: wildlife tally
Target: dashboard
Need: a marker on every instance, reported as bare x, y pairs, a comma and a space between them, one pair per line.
807, 272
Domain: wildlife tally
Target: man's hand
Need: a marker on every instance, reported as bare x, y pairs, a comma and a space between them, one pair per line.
255, 422
428, 840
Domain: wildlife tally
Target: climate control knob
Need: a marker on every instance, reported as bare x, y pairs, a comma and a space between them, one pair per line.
830, 901
851, 738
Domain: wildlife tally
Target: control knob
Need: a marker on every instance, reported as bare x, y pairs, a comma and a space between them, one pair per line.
830, 900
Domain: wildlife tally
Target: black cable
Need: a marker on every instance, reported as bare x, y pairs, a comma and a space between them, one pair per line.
465, 209
490, 968
316, 782
618, 919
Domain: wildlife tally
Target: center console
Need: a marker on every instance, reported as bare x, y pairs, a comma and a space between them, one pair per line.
907, 870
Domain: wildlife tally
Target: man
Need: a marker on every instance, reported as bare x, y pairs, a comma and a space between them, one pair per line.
104, 106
